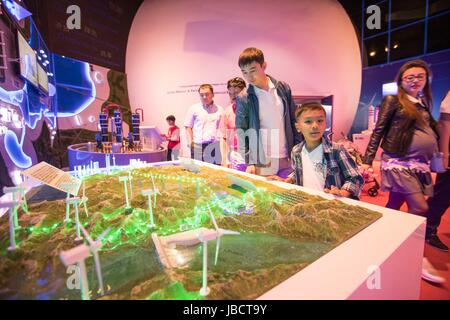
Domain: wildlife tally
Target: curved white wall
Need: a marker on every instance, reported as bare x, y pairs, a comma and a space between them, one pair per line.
311, 45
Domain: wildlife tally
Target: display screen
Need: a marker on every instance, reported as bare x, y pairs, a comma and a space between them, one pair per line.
28, 64
42, 78
328, 112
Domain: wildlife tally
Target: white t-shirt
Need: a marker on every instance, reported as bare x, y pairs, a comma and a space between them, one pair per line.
314, 168
271, 122
445, 105
204, 122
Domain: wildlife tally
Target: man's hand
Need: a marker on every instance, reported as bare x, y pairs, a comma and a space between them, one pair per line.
274, 178
337, 192
277, 178
251, 169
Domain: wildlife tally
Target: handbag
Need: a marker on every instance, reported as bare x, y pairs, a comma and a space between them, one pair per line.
437, 162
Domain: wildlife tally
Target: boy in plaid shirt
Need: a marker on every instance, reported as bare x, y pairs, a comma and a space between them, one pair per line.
319, 163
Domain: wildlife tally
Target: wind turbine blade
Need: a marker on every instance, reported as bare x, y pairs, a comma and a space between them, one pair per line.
98, 269
213, 219
217, 250
102, 235
228, 232
86, 235
153, 182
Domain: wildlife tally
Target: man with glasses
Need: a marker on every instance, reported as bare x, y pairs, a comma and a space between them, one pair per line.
202, 125
228, 143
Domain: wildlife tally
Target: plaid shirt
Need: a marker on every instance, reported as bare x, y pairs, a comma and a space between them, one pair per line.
342, 171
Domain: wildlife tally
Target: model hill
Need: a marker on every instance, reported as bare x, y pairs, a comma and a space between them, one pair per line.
282, 231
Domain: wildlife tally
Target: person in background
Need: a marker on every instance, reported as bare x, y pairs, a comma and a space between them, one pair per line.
265, 120
440, 201
409, 139
173, 136
319, 163
202, 126
227, 128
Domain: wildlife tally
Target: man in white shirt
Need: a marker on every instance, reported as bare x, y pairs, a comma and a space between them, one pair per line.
440, 201
202, 125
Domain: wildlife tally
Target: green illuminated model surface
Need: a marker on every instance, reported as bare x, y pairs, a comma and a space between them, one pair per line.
281, 232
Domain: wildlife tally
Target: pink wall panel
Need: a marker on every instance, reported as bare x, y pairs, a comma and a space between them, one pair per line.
174, 46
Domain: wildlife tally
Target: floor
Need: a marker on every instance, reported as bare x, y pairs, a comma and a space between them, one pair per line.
439, 259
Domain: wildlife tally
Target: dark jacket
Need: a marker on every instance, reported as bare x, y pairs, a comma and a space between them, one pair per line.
395, 128
247, 118
342, 171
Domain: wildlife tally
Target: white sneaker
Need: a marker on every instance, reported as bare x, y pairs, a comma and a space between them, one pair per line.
429, 273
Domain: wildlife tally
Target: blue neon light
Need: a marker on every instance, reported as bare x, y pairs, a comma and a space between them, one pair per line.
16, 10
12, 97
75, 90
15, 150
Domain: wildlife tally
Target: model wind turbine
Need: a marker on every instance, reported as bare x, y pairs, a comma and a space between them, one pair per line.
130, 179
155, 191
71, 188
94, 246
84, 199
77, 256
124, 179
204, 236
14, 191
12, 210
18, 194
220, 232
74, 202
149, 193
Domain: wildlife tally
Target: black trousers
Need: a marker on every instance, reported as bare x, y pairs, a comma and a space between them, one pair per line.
207, 152
439, 202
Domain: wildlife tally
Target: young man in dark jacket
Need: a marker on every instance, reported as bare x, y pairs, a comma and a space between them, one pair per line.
265, 118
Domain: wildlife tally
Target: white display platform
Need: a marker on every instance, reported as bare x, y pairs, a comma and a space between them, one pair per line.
393, 244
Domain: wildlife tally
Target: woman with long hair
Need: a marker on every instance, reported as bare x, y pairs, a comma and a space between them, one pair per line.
409, 139
408, 136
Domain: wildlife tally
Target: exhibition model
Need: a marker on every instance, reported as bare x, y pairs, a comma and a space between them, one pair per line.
153, 242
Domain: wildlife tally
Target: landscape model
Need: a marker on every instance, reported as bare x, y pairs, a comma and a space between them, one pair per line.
167, 232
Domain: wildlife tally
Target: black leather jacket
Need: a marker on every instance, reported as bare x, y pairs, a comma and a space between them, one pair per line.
395, 128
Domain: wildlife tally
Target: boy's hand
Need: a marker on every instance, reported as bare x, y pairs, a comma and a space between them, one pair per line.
277, 178
337, 192
274, 178
367, 167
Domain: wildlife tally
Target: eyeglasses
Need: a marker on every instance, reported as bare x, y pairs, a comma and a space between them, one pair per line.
410, 78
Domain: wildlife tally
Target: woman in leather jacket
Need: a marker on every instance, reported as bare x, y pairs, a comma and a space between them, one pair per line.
409, 139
